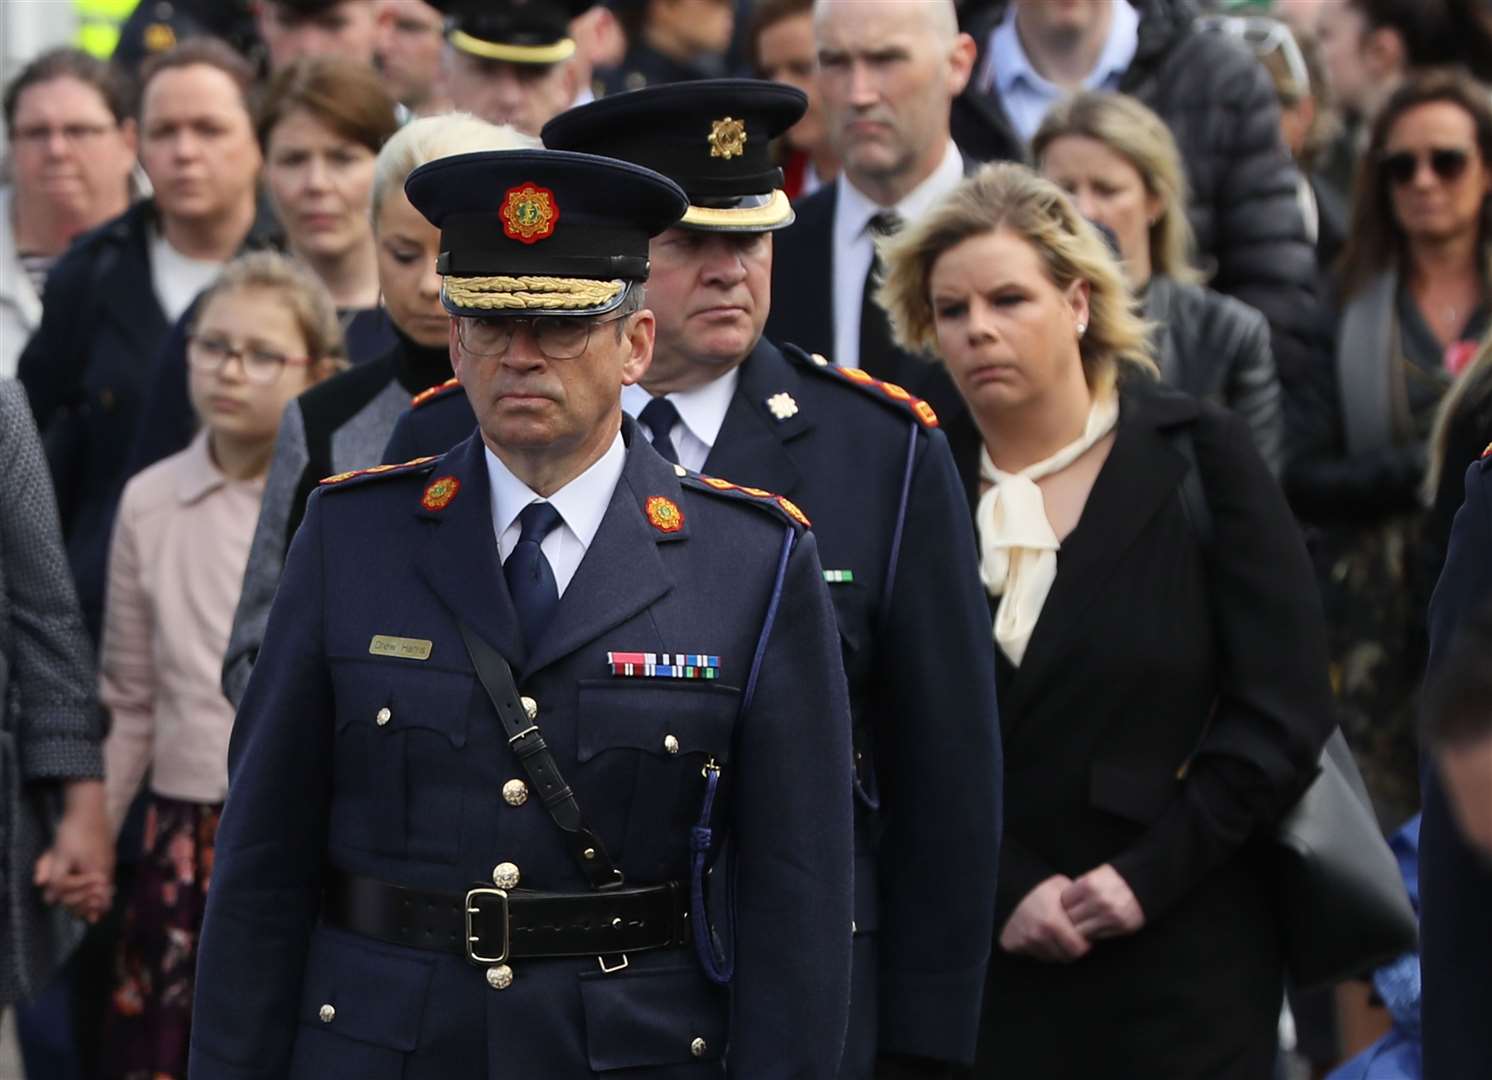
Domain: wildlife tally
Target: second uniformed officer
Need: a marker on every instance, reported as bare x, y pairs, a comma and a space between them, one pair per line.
867, 463
544, 768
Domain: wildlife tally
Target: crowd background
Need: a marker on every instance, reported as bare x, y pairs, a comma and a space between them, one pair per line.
1297, 191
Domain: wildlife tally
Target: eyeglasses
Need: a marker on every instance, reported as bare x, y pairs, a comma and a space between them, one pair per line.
209, 352
1447, 163
558, 337
1264, 35
37, 135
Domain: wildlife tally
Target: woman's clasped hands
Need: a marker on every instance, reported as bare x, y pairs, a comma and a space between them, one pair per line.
1060, 920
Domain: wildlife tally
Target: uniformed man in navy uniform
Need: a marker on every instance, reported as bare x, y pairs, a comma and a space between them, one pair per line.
544, 770
868, 464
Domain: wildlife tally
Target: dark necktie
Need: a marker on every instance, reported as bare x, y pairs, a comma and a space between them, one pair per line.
876, 347
659, 416
530, 577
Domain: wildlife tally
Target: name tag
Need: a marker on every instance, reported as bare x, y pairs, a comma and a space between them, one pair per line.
405, 648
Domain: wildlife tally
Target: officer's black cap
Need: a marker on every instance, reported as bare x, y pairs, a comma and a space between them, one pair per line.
515, 31
712, 137
541, 232
306, 8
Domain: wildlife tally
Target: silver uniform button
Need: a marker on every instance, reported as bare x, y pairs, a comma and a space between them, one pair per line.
671, 744
530, 707
500, 977
515, 793
505, 875
385, 714
327, 1014
698, 1047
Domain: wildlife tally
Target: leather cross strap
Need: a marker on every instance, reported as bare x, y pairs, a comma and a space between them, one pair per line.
623, 920
528, 743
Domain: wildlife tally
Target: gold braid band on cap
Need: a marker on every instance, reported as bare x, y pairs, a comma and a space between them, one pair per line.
505, 293
562, 49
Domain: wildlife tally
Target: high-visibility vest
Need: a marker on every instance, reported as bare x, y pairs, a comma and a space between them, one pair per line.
99, 23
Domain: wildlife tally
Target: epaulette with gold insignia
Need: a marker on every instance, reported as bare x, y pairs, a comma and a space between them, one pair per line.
887, 393
781, 505
433, 392
356, 476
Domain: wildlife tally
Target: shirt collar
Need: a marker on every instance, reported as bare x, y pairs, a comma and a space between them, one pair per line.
856, 208
1008, 65
198, 475
702, 409
581, 503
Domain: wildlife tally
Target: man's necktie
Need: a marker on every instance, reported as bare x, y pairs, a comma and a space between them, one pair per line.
659, 416
876, 346
530, 577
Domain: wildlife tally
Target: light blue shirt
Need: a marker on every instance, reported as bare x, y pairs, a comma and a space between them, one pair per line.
1025, 94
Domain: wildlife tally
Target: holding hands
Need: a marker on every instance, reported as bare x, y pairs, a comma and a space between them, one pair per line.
78, 870
1060, 919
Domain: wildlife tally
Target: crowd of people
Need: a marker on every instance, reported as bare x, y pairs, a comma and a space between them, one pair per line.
1045, 422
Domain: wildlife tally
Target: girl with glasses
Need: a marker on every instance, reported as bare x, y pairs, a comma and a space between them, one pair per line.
265, 331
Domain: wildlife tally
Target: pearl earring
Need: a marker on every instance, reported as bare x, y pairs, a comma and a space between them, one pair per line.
1082, 329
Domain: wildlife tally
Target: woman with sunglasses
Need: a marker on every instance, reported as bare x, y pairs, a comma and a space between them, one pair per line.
1412, 300
264, 332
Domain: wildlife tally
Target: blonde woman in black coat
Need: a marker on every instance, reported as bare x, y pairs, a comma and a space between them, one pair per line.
1164, 698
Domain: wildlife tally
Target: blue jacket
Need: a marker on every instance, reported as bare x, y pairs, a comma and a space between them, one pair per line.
316, 781
1455, 886
883, 492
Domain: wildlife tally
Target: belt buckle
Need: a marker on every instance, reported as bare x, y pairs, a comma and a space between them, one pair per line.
472, 907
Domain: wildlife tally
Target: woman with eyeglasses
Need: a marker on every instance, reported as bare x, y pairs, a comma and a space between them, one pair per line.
1120, 165
264, 332
1412, 301
346, 422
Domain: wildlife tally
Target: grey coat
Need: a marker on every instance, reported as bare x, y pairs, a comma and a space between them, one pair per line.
50, 722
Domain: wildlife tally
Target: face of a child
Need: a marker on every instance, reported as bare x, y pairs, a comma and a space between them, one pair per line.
248, 358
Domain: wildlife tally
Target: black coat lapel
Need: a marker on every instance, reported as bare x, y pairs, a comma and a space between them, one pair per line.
1142, 473
752, 446
802, 273
460, 560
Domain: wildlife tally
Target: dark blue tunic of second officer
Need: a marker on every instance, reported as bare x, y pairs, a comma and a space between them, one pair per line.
373, 784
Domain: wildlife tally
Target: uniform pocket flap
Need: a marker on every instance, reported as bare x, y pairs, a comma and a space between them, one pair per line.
663, 1016
1136, 794
386, 702
663, 718
368, 992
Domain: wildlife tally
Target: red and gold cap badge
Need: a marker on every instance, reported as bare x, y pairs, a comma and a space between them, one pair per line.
529, 213
664, 514
440, 492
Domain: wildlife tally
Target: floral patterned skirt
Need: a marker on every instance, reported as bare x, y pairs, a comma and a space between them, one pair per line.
148, 1029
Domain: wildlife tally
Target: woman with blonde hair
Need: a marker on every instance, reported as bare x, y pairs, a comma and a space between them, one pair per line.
1163, 686
1119, 163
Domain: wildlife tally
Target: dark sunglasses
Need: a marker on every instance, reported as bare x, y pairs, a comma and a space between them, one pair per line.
1447, 164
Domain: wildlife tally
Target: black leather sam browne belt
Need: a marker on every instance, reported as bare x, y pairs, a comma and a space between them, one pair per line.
488, 925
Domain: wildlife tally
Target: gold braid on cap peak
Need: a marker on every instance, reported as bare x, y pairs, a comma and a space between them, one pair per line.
503, 293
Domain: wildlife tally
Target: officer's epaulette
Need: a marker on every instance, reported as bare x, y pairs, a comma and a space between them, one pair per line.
885, 392
357, 476
431, 393
779, 505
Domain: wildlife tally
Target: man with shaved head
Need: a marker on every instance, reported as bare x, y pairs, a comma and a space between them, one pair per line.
889, 75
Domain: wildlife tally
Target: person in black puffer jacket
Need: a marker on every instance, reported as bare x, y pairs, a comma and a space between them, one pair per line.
1221, 107
1121, 166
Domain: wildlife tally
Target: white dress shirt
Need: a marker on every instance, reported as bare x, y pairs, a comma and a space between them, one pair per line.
854, 245
581, 504
1025, 94
701, 414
